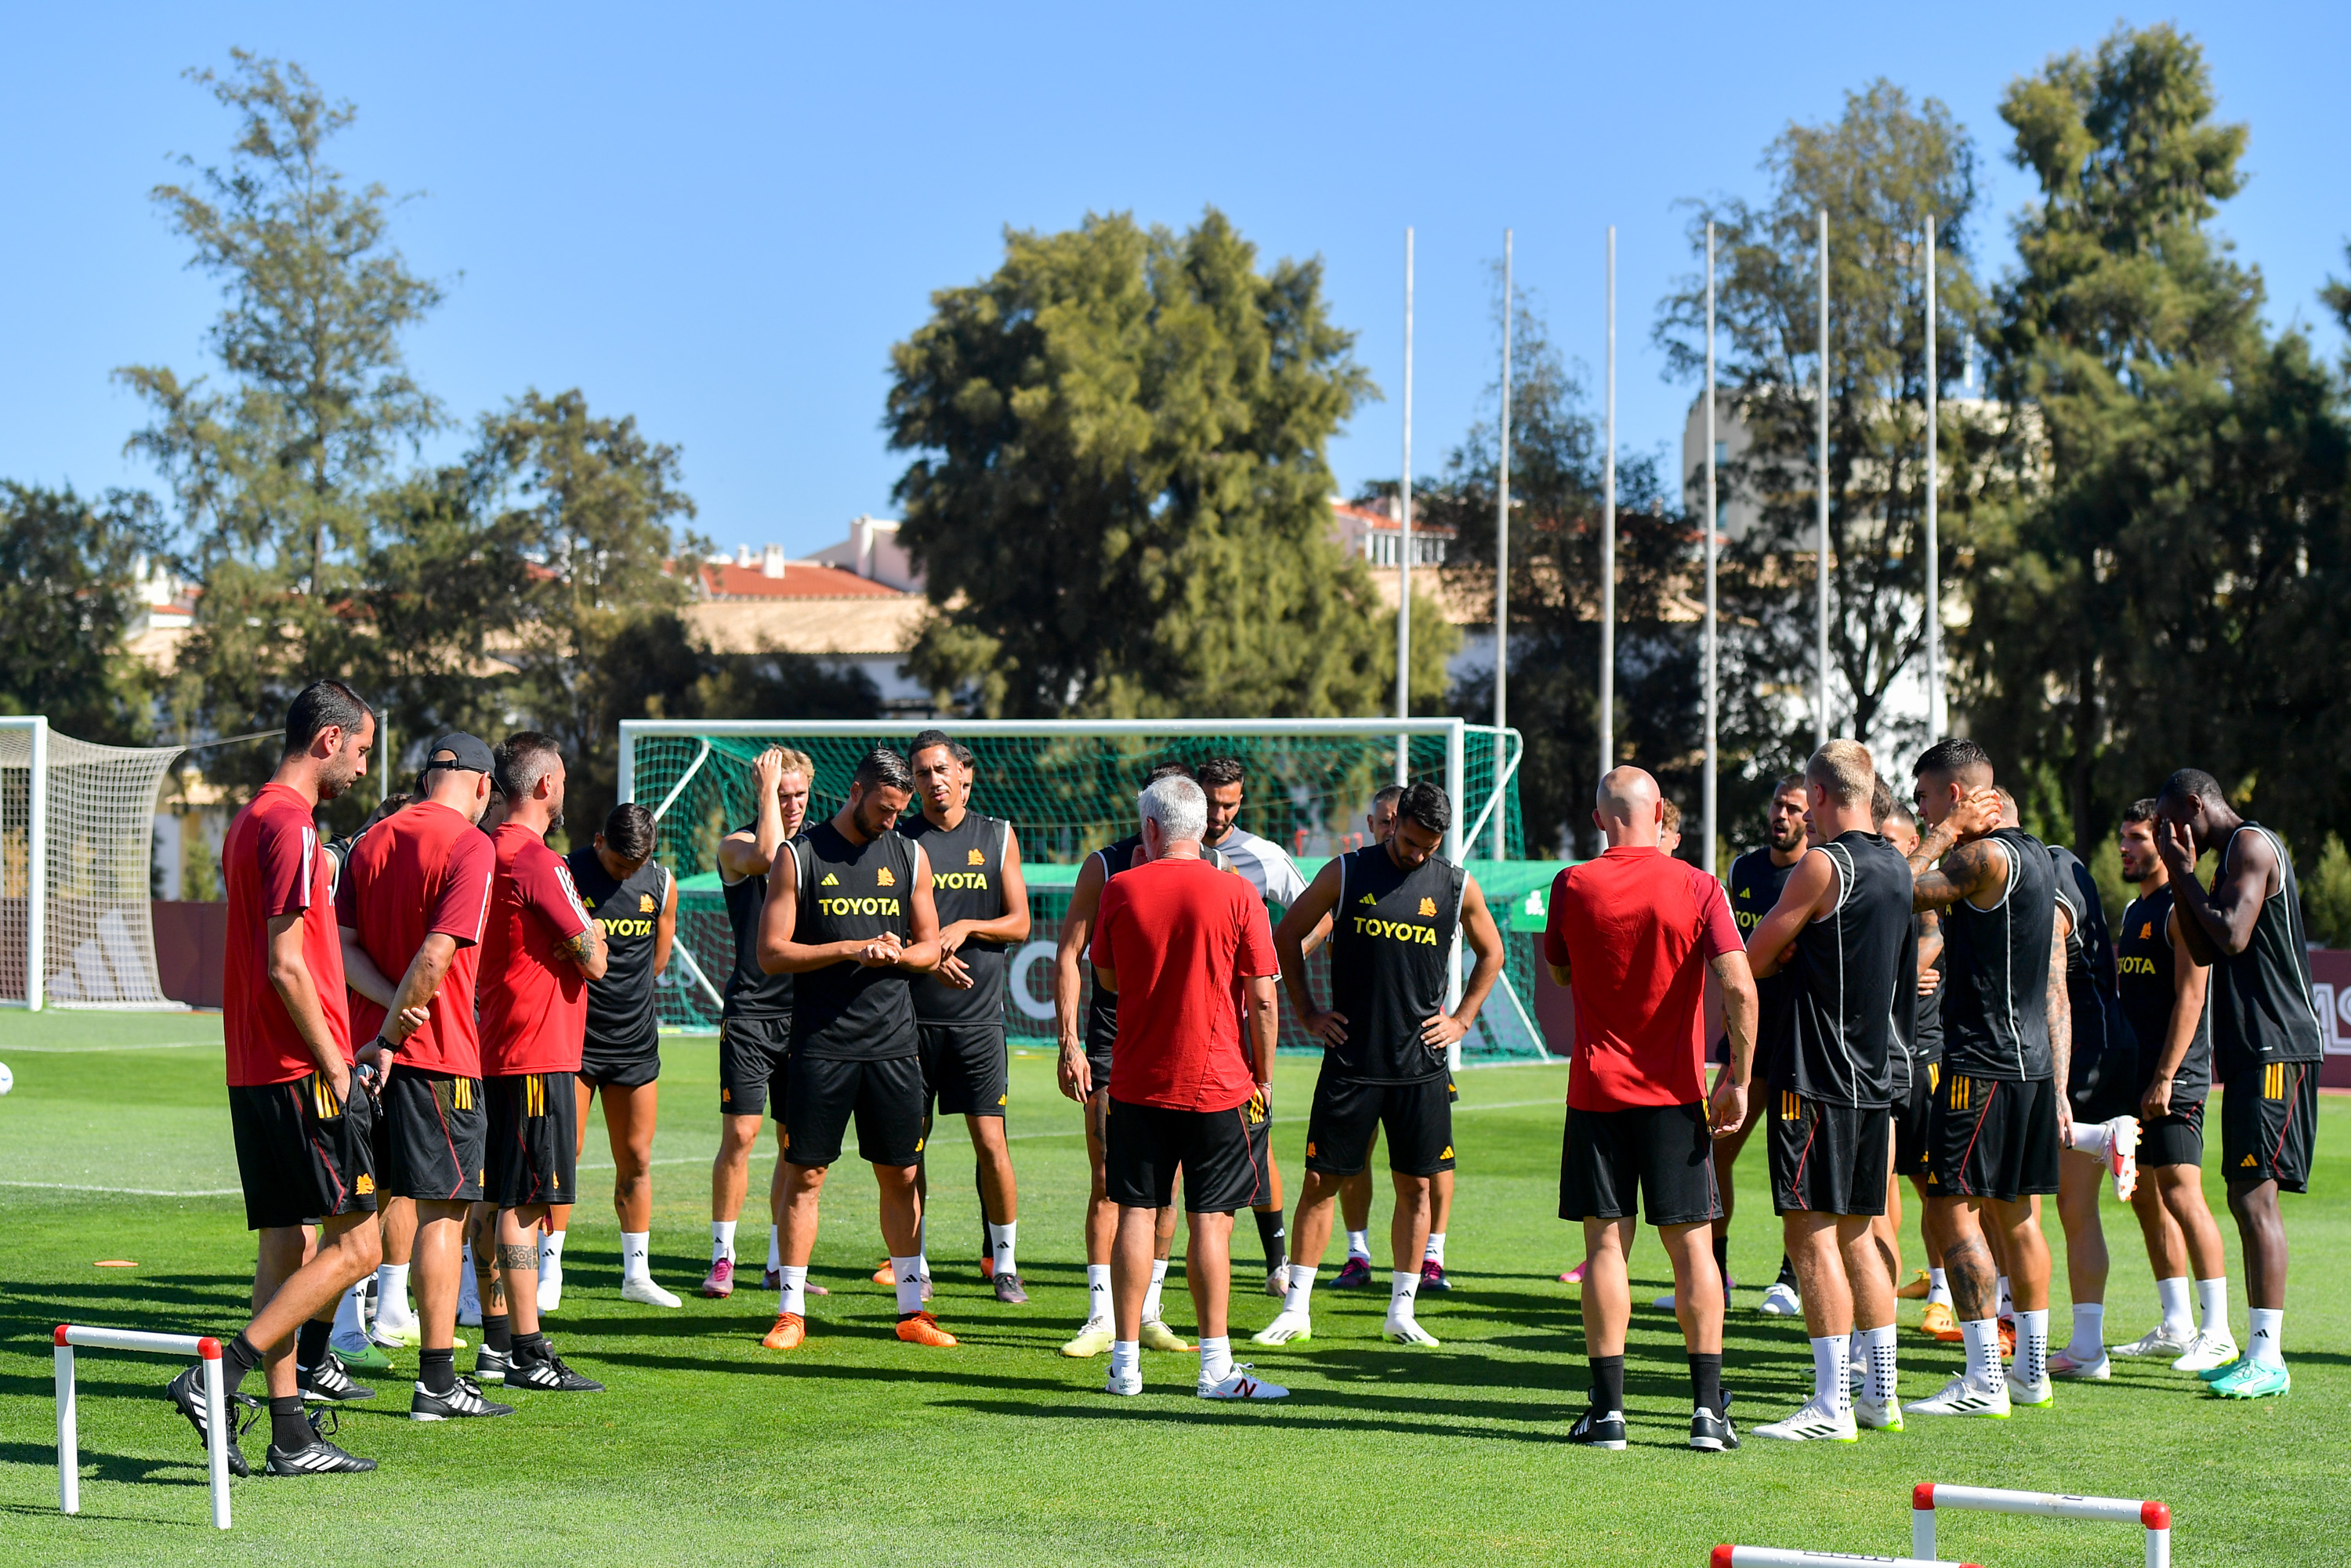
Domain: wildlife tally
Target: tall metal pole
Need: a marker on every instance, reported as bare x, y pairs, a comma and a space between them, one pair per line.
1821, 654
1934, 543
1608, 540
1502, 568
1403, 543
1713, 627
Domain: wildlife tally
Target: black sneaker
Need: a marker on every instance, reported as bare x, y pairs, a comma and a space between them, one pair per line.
1712, 1434
548, 1374
1009, 1290
187, 1393
463, 1400
327, 1383
1594, 1430
319, 1457
491, 1365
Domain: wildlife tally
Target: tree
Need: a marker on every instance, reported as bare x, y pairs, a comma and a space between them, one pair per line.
69, 573
1121, 499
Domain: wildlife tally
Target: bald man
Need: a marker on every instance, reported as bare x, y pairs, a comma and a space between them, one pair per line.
1632, 934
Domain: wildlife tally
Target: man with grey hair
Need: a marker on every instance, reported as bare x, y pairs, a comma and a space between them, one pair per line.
1174, 939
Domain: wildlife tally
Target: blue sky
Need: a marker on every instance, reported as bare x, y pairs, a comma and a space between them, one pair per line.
720, 220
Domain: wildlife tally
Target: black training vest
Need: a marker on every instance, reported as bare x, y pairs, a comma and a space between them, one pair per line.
2101, 1048
852, 892
1391, 958
751, 991
1755, 884
1846, 970
1996, 969
2145, 983
967, 883
620, 1015
2262, 1006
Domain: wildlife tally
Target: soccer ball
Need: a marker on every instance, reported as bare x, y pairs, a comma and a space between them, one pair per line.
8, 1079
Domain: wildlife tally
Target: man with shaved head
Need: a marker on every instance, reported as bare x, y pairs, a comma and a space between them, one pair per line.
1632, 934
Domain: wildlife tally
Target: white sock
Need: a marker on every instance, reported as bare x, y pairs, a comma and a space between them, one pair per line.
1939, 1287
2032, 1344
392, 1294
792, 1293
1216, 1358
1126, 1355
2267, 1343
550, 1252
1829, 1365
1359, 1245
636, 1261
722, 1239
2171, 1295
774, 1246
1097, 1293
1982, 1337
1435, 1252
2007, 1308
348, 1318
1877, 1349
908, 1273
1151, 1296
999, 1247
2093, 1139
2211, 1305
2089, 1340
1301, 1290
1404, 1286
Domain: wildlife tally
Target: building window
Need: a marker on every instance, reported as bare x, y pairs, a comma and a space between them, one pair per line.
1721, 453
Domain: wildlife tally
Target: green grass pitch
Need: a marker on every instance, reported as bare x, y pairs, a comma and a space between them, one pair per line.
859, 1449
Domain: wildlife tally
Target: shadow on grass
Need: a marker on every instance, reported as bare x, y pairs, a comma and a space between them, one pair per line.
109, 1466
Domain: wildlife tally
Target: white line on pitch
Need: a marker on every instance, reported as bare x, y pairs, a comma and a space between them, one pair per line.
99, 1050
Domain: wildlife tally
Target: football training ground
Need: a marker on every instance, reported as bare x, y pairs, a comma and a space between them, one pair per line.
859, 1449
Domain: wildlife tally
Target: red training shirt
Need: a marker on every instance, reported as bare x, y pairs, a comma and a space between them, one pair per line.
1636, 929
420, 872
274, 866
1180, 935
534, 1004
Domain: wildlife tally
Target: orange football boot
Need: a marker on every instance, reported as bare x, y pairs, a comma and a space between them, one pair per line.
885, 1275
923, 1329
790, 1331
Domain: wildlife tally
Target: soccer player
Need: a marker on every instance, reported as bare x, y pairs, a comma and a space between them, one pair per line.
412, 904
634, 904
300, 1115
1355, 1191
539, 951
982, 903
850, 914
2000, 1119
2266, 1041
1839, 930
755, 1026
1918, 1030
1174, 939
1397, 905
1632, 934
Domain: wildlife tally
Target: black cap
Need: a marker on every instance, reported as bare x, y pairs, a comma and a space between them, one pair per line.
459, 750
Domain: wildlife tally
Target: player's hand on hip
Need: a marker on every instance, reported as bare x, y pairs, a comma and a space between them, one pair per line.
337, 1074
1329, 1026
1726, 1106
1441, 1031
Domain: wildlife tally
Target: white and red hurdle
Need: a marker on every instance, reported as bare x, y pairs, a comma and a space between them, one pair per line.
1929, 1498
216, 1422
1780, 1557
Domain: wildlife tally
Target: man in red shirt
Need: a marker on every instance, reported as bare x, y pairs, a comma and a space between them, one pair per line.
1175, 940
539, 950
302, 1139
1633, 935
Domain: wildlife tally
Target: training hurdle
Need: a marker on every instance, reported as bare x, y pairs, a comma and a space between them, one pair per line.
216, 1421
1778, 1557
1928, 1497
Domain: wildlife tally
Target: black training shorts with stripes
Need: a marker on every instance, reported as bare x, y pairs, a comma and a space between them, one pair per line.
1914, 1114
534, 1138
1994, 1137
1826, 1159
430, 1135
2177, 1139
1347, 1114
751, 1055
2268, 1114
301, 1153
825, 1095
1661, 1154
1143, 1145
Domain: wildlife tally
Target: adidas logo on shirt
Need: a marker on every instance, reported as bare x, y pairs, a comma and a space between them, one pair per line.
1367, 898
830, 880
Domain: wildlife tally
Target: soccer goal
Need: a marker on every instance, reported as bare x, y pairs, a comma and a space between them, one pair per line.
76, 837
1069, 787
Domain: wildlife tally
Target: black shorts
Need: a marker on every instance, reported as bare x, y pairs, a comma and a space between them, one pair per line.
1665, 1152
1222, 1162
534, 1139
300, 1154
1994, 1137
1098, 1063
2174, 1140
630, 1067
1825, 1158
2110, 1088
964, 1067
1913, 1114
2267, 1115
823, 1094
1347, 1115
751, 1054
430, 1134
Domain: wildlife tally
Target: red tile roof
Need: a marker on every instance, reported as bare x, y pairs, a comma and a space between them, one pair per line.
801, 579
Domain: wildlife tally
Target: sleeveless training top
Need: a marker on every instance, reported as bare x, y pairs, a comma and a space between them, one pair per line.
1754, 886
1847, 972
620, 1015
2144, 984
850, 893
2100, 1044
967, 883
1996, 969
1391, 957
751, 992
2262, 1007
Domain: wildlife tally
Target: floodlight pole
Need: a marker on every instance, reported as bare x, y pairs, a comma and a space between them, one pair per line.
1713, 627
1934, 542
1820, 545
1502, 565
1608, 540
1404, 542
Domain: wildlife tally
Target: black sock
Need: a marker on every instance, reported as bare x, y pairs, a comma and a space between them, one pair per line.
238, 1356
1706, 1381
438, 1370
1722, 1255
310, 1343
289, 1428
1607, 1384
530, 1346
497, 1333
1270, 1231
1787, 1273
